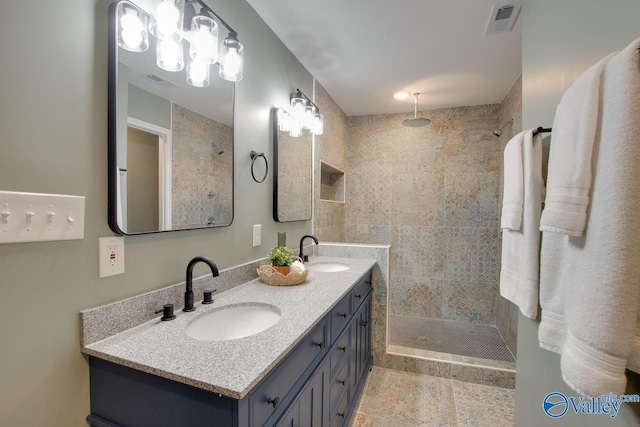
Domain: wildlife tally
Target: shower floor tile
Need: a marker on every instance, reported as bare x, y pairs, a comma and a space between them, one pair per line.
465, 340
403, 399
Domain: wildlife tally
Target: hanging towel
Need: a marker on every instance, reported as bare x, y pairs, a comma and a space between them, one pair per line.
569, 177
520, 246
590, 284
513, 191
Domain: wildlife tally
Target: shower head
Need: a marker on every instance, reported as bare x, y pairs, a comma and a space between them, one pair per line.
415, 121
498, 131
216, 150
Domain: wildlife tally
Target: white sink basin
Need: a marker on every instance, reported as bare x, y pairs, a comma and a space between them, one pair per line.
231, 323
328, 267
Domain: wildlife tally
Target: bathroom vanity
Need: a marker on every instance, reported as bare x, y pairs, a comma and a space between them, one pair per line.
306, 370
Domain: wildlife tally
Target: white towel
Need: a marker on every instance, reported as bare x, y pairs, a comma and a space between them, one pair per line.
590, 285
513, 189
569, 177
521, 246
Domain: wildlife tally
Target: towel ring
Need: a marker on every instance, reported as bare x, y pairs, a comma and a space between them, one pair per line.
254, 156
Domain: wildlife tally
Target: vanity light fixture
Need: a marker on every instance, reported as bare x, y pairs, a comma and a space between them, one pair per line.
401, 95
304, 115
174, 22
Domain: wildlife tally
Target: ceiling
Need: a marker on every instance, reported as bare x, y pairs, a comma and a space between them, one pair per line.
364, 51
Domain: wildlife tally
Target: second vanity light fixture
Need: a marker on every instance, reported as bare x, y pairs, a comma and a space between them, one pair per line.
172, 22
304, 114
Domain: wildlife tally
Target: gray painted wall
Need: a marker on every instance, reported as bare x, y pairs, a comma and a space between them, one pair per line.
148, 107
53, 139
560, 40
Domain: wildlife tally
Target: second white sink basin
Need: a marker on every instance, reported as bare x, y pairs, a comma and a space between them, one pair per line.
230, 323
328, 267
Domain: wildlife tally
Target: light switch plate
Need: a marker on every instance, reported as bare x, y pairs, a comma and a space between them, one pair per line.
110, 256
37, 217
257, 235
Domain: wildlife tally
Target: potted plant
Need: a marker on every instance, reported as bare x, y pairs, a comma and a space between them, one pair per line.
280, 258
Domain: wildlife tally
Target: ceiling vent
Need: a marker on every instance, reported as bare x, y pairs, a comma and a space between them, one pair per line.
502, 19
167, 84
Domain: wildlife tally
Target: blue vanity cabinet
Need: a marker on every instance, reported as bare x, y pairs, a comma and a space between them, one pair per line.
310, 408
315, 385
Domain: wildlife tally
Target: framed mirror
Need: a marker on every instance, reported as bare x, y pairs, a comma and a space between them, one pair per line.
292, 175
170, 142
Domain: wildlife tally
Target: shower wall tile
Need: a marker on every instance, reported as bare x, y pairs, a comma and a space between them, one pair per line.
417, 199
473, 149
418, 150
369, 198
418, 297
425, 183
472, 254
471, 302
331, 147
369, 234
417, 252
472, 200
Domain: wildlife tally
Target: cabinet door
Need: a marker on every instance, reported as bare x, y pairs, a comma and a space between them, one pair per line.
354, 357
314, 400
291, 417
366, 330
362, 319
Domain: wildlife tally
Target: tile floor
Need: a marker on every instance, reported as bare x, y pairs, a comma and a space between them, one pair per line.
400, 399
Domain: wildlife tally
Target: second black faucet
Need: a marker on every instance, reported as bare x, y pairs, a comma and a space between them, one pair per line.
304, 257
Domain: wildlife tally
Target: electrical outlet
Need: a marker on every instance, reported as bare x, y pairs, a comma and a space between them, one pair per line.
110, 256
257, 235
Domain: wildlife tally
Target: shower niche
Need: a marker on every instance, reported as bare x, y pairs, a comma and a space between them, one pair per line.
332, 183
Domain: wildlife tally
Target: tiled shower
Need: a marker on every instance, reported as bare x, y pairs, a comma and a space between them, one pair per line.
432, 194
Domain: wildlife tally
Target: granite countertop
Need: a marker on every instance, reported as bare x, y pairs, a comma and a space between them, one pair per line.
232, 368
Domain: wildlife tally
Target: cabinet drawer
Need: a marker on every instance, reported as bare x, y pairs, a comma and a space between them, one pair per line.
338, 386
360, 291
340, 415
277, 390
340, 350
340, 316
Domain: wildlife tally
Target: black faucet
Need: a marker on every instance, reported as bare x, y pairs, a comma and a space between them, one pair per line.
188, 295
304, 257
